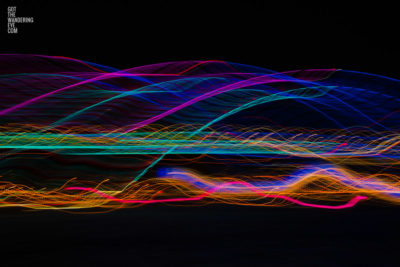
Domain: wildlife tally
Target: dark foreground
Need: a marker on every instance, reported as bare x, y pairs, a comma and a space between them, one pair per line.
203, 236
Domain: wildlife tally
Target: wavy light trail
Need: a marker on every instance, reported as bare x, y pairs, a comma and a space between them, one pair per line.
349, 204
231, 133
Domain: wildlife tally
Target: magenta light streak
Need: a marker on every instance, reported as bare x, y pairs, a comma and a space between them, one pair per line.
202, 97
349, 204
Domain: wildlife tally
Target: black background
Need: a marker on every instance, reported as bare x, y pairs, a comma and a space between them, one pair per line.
278, 36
